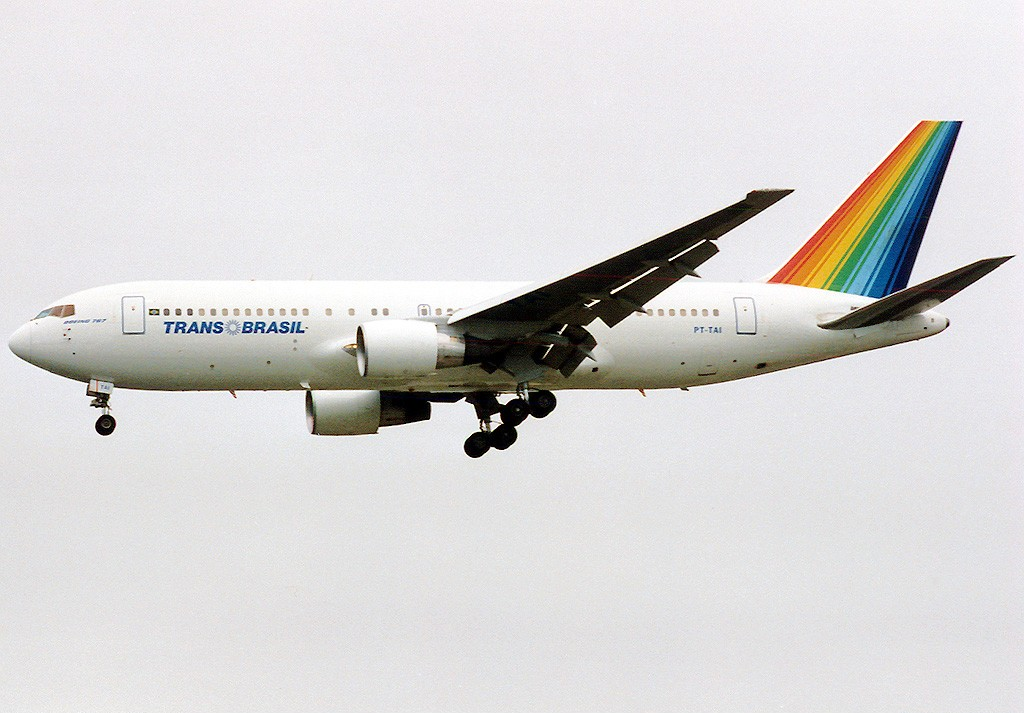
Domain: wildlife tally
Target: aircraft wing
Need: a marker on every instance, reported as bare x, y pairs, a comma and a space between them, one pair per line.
542, 326
614, 289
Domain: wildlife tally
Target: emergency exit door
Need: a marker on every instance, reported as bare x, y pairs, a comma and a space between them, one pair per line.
133, 315
746, 315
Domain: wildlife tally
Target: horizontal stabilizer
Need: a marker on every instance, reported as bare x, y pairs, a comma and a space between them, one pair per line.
918, 298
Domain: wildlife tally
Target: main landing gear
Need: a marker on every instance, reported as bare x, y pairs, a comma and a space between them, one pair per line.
100, 391
533, 403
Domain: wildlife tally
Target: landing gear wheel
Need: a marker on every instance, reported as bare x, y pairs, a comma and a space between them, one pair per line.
542, 403
477, 444
503, 436
514, 412
105, 424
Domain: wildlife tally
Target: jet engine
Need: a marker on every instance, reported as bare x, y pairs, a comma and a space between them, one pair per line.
405, 347
356, 413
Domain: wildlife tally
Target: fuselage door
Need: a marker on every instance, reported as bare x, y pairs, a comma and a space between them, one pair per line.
133, 315
746, 315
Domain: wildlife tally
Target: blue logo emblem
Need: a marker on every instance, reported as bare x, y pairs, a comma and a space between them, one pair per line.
232, 327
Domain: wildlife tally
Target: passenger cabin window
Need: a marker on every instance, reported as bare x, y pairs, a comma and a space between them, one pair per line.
374, 311
259, 311
386, 311
351, 312
202, 311
248, 312
328, 311
305, 311
270, 312
295, 312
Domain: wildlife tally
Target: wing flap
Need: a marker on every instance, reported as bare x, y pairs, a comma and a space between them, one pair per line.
918, 298
650, 285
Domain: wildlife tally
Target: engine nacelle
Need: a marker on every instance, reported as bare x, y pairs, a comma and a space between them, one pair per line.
406, 347
357, 413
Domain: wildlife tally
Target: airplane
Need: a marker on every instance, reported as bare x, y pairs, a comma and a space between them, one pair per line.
375, 354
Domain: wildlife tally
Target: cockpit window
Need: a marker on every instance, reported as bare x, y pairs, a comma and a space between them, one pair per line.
58, 311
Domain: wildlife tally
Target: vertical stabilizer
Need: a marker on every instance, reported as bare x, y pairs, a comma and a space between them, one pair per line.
869, 245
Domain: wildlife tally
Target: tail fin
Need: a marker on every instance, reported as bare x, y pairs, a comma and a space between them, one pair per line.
869, 245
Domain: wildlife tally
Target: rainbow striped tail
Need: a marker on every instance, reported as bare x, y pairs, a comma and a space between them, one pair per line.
869, 245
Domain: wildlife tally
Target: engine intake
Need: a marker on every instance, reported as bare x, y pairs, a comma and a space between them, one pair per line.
405, 347
357, 413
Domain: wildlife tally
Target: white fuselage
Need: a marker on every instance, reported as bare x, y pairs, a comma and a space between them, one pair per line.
184, 336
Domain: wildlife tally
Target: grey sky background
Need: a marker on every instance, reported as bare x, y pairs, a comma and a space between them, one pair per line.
844, 536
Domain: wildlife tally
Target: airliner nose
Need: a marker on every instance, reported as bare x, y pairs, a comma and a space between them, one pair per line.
21, 342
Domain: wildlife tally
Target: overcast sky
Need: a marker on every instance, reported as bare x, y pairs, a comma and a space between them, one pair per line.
843, 536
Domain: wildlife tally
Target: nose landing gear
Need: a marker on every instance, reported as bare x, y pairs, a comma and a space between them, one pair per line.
105, 424
527, 403
100, 391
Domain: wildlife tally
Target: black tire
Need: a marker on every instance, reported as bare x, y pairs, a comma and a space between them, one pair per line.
542, 403
477, 444
503, 436
514, 412
105, 424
